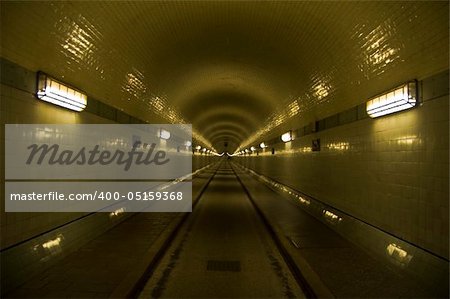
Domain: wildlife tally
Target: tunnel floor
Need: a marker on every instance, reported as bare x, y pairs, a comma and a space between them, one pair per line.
224, 251
224, 248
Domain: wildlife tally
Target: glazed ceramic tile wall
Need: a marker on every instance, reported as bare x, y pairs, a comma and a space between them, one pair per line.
392, 172
22, 107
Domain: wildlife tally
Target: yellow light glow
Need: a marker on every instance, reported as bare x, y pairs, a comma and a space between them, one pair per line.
331, 216
305, 149
60, 94
117, 212
339, 146
304, 201
408, 140
398, 254
164, 134
134, 84
262, 145
52, 243
286, 137
321, 90
401, 98
293, 108
157, 103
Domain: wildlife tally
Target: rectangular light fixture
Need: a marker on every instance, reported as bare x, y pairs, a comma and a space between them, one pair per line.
164, 134
286, 137
401, 98
58, 93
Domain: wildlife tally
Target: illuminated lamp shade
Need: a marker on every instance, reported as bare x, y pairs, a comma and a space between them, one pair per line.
253, 149
262, 145
164, 134
188, 143
400, 98
198, 147
58, 93
286, 137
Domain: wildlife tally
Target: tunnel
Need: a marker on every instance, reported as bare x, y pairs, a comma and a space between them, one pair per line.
224, 149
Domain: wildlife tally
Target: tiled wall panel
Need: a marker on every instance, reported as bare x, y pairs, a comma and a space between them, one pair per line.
392, 172
22, 107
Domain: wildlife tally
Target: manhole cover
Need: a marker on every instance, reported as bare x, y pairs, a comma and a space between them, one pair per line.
232, 266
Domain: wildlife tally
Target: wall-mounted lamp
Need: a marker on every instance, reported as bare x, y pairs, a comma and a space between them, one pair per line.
188, 143
262, 145
253, 149
286, 137
400, 98
164, 134
198, 147
58, 93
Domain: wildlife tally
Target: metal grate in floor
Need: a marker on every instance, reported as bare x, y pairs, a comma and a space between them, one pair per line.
231, 266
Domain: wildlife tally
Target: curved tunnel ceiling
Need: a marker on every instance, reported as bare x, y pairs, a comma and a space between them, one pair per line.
228, 67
